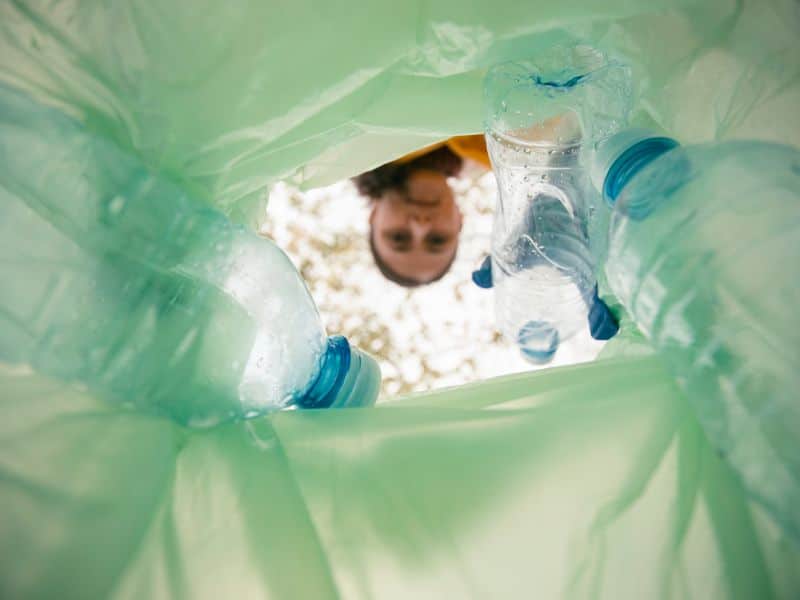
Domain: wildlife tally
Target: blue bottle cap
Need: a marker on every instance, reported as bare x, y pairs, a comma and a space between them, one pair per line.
347, 377
482, 276
617, 159
603, 325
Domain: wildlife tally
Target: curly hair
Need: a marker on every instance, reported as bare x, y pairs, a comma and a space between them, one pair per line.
393, 176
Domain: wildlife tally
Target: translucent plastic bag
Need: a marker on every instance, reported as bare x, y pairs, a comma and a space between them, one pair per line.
590, 481
229, 97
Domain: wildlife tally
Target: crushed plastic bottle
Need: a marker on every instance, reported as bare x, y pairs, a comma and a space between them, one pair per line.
146, 296
704, 253
542, 118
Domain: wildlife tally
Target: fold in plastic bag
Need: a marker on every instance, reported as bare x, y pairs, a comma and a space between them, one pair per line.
588, 481
227, 97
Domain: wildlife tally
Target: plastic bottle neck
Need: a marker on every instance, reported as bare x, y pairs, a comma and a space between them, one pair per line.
334, 365
632, 159
347, 377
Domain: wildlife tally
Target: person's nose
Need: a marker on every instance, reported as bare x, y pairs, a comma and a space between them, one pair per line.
420, 225
422, 217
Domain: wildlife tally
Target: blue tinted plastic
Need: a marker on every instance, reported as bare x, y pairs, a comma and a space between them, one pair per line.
603, 325
482, 276
704, 250
630, 162
334, 364
538, 342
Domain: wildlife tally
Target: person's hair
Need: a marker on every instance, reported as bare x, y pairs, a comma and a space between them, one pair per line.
394, 176
402, 280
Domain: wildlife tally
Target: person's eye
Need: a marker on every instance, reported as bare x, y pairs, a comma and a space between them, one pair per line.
399, 237
437, 240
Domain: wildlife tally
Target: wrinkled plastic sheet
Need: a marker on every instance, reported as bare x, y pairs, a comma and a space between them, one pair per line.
228, 97
595, 481
590, 481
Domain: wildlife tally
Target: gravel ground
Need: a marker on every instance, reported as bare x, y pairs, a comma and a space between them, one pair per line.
430, 337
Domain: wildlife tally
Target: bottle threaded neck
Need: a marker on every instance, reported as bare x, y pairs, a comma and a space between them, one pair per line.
334, 365
632, 160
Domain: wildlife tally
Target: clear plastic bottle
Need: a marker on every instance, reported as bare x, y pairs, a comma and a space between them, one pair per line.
116, 279
704, 253
543, 117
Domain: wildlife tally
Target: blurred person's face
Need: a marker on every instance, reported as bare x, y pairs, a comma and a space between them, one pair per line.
416, 233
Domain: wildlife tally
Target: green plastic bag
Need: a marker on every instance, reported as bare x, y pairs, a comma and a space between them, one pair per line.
590, 481
228, 97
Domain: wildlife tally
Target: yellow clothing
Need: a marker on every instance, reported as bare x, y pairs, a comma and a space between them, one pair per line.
466, 146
